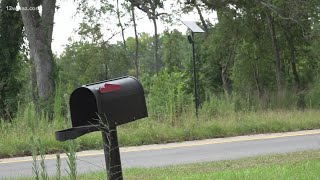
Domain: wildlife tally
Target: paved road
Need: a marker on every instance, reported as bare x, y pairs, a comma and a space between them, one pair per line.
177, 153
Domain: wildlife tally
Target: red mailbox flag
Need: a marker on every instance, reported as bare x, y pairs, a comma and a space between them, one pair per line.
109, 88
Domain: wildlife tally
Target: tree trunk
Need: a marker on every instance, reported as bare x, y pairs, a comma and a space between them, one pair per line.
225, 80
292, 49
224, 74
156, 45
257, 80
34, 89
276, 51
205, 26
136, 64
122, 28
294, 68
39, 34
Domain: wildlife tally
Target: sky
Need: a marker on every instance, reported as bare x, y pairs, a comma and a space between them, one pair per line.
67, 21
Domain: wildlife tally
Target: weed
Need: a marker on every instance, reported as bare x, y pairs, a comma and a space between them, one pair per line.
58, 165
71, 161
35, 168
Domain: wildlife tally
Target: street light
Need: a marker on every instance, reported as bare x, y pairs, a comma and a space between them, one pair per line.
194, 29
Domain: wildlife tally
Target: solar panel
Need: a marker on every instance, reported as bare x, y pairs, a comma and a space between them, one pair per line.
193, 26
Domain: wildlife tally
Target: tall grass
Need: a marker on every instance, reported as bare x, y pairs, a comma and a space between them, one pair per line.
171, 118
44, 173
58, 165
167, 99
313, 96
35, 168
72, 164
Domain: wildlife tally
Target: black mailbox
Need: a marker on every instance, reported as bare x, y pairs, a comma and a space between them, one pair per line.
107, 103
114, 102
118, 100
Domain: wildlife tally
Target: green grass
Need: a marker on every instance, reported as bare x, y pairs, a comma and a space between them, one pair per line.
301, 165
171, 119
15, 137
308, 169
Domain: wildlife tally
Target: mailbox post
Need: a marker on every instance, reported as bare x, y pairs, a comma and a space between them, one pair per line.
102, 106
112, 153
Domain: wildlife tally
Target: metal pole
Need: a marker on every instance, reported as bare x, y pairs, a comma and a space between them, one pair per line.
196, 100
112, 154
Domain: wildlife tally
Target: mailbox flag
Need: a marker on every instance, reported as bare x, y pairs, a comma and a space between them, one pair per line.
109, 88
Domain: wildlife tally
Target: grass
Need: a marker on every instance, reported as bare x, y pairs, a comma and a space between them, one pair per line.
301, 165
15, 137
171, 119
298, 165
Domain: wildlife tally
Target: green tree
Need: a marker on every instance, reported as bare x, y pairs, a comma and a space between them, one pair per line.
151, 7
146, 53
287, 24
82, 63
10, 63
190, 5
175, 51
218, 53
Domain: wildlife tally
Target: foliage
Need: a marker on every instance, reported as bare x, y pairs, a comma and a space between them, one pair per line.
166, 95
175, 48
216, 119
235, 58
83, 63
313, 96
72, 163
10, 61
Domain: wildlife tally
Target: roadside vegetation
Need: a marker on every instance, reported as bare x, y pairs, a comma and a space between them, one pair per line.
17, 137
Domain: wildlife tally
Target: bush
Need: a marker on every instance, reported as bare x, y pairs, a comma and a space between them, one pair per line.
166, 95
313, 97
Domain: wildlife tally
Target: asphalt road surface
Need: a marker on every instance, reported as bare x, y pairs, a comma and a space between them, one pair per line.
175, 153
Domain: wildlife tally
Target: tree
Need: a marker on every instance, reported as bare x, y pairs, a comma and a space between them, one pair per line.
295, 21
120, 24
39, 34
150, 7
82, 63
189, 6
276, 52
288, 24
136, 55
146, 53
175, 48
10, 41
